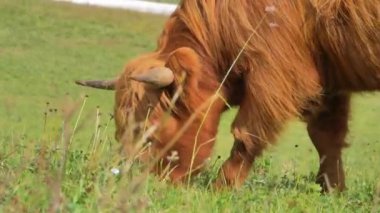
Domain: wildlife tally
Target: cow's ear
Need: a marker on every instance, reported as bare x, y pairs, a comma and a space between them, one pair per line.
186, 66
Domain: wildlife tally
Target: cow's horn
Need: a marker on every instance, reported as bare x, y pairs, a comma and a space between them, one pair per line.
158, 77
99, 84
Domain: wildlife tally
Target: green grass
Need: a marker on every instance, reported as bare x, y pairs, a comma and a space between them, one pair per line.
44, 46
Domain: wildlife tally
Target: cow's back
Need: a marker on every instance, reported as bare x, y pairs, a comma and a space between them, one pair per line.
348, 35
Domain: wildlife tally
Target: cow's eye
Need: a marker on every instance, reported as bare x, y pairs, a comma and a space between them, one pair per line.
170, 91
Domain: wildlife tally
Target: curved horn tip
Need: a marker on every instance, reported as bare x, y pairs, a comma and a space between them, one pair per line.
80, 82
98, 84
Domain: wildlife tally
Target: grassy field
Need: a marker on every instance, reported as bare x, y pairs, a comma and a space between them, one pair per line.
55, 157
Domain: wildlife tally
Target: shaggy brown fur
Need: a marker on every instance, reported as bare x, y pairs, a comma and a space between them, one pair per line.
305, 57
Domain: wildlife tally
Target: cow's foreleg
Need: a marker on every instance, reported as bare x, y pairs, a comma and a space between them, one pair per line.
236, 168
252, 133
327, 130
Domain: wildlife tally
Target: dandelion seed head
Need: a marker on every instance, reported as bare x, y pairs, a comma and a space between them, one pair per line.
173, 157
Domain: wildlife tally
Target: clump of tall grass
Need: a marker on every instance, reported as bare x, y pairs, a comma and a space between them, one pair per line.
61, 169
55, 173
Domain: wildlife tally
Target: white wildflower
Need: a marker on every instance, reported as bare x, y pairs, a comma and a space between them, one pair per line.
115, 171
273, 25
270, 9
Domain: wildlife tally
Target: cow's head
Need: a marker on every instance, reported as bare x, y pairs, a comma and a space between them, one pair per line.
172, 90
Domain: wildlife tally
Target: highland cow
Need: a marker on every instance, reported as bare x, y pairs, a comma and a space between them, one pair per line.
275, 60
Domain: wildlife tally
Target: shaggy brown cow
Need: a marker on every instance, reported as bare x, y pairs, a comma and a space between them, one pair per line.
274, 59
